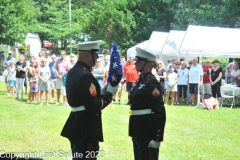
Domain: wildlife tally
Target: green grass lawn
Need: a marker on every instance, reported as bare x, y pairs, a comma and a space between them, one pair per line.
189, 133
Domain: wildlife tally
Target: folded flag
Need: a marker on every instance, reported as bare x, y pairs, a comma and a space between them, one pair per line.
115, 69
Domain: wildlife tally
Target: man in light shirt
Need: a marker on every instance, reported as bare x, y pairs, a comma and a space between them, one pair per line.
195, 78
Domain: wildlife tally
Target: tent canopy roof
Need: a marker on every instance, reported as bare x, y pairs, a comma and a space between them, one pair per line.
210, 42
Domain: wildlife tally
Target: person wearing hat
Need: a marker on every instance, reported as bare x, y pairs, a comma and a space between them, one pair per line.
215, 80
83, 128
147, 115
9, 59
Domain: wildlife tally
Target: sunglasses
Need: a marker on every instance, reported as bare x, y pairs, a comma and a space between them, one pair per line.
98, 61
190, 63
53, 58
177, 64
62, 54
130, 57
215, 62
207, 62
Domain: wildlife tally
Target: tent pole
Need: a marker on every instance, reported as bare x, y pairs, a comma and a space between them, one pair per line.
198, 95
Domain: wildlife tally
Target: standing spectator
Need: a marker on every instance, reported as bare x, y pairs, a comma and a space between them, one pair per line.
173, 62
182, 82
162, 76
29, 75
228, 72
20, 76
98, 72
206, 79
215, 80
72, 60
194, 79
40, 54
5, 74
177, 68
171, 80
131, 74
44, 77
9, 59
61, 66
106, 68
235, 72
123, 61
12, 77
34, 86
64, 77
182, 59
189, 64
53, 78
48, 58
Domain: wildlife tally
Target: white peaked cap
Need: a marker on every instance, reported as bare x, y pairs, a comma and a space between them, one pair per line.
143, 53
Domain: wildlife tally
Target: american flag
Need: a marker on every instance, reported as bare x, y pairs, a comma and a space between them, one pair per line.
115, 70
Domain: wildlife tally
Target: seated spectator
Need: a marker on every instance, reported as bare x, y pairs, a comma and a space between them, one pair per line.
228, 72
235, 72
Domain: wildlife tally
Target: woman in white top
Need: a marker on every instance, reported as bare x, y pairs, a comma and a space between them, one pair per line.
171, 81
182, 82
235, 72
44, 76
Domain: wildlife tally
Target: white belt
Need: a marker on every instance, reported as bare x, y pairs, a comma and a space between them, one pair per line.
140, 112
76, 109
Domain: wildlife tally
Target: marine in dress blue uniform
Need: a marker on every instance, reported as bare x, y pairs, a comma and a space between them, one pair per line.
147, 114
84, 124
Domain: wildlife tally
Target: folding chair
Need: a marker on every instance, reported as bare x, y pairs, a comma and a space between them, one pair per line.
227, 92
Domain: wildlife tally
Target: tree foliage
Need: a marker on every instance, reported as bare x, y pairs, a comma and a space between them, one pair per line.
16, 19
126, 22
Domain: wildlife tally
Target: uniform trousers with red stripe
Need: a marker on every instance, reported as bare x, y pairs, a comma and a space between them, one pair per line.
141, 150
82, 149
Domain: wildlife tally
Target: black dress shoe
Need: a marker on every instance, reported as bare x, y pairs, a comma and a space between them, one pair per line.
128, 103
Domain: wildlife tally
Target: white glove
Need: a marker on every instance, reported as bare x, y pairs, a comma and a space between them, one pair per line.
111, 89
154, 144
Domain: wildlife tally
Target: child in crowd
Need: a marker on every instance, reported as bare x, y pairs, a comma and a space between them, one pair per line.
34, 86
5, 74
12, 78
171, 80
64, 77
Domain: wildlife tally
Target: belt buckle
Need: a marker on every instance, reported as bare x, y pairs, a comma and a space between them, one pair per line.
130, 112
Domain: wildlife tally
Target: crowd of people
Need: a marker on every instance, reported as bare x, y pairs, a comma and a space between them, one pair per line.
183, 82
46, 75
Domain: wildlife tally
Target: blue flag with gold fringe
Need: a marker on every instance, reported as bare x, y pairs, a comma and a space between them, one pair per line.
115, 72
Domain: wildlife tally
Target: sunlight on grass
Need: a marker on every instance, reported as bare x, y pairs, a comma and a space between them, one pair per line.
189, 133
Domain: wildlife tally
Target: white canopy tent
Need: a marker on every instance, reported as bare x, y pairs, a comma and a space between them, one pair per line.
132, 50
210, 42
156, 42
173, 43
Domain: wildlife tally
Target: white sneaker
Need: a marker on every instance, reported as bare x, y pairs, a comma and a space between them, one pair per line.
8, 94
57, 103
